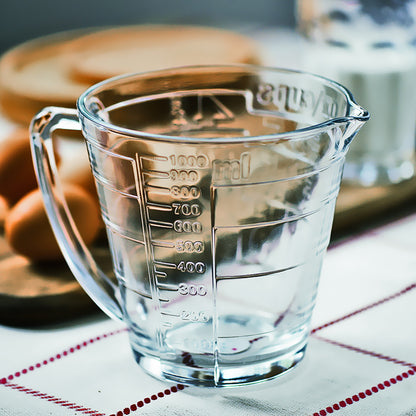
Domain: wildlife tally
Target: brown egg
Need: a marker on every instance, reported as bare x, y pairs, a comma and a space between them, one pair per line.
4, 208
27, 227
17, 175
75, 166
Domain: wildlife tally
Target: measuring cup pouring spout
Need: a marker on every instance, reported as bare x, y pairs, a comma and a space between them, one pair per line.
217, 186
347, 123
352, 127
358, 116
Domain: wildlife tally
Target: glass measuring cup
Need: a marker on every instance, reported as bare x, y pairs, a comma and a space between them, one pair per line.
217, 186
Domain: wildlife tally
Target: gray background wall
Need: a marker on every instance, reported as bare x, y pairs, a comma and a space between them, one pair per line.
21, 20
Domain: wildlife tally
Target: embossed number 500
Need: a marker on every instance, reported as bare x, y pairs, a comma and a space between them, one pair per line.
189, 246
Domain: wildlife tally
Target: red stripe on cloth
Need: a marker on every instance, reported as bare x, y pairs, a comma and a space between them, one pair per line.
366, 352
65, 353
148, 400
364, 394
53, 399
71, 350
366, 308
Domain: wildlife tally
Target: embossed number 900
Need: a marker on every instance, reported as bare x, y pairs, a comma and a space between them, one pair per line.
184, 175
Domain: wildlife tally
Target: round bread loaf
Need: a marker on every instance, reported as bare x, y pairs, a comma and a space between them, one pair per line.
27, 227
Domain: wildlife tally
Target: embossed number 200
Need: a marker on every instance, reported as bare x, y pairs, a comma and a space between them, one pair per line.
195, 316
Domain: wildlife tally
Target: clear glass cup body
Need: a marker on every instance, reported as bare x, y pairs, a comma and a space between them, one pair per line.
217, 186
370, 47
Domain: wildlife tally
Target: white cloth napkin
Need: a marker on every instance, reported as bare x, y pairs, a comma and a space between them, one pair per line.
361, 358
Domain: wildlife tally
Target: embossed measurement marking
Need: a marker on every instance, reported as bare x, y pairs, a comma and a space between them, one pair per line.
161, 222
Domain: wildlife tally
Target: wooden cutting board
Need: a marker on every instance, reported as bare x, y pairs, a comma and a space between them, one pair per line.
358, 206
39, 294
44, 294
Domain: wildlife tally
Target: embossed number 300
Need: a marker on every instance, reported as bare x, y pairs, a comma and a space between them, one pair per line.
192, 290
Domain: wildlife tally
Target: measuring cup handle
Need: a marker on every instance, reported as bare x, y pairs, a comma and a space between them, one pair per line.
93, 280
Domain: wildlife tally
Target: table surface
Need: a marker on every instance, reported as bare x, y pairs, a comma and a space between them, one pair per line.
361, 358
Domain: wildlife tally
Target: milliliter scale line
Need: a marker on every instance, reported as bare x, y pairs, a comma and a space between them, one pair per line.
160, 243
156, 174
175, 315
160, 224
154, 158
165, 265
159, 207
164, 189
148, 246
170, 288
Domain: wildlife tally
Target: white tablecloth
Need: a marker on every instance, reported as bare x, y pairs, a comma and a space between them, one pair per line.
361, 358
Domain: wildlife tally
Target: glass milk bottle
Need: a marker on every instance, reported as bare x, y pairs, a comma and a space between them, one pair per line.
370, 47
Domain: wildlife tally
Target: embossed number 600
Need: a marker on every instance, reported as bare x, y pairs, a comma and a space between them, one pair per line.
181, 226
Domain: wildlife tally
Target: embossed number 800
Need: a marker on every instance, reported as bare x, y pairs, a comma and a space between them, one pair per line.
185, 192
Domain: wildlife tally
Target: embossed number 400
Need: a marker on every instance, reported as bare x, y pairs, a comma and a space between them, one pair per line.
191, 267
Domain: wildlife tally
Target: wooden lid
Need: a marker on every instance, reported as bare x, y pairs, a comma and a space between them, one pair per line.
104, 54
34, 75
56, 69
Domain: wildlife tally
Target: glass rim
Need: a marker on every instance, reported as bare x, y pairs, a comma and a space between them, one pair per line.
355, 113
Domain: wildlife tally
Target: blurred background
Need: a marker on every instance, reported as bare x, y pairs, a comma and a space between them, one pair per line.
21, 21
367, 45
